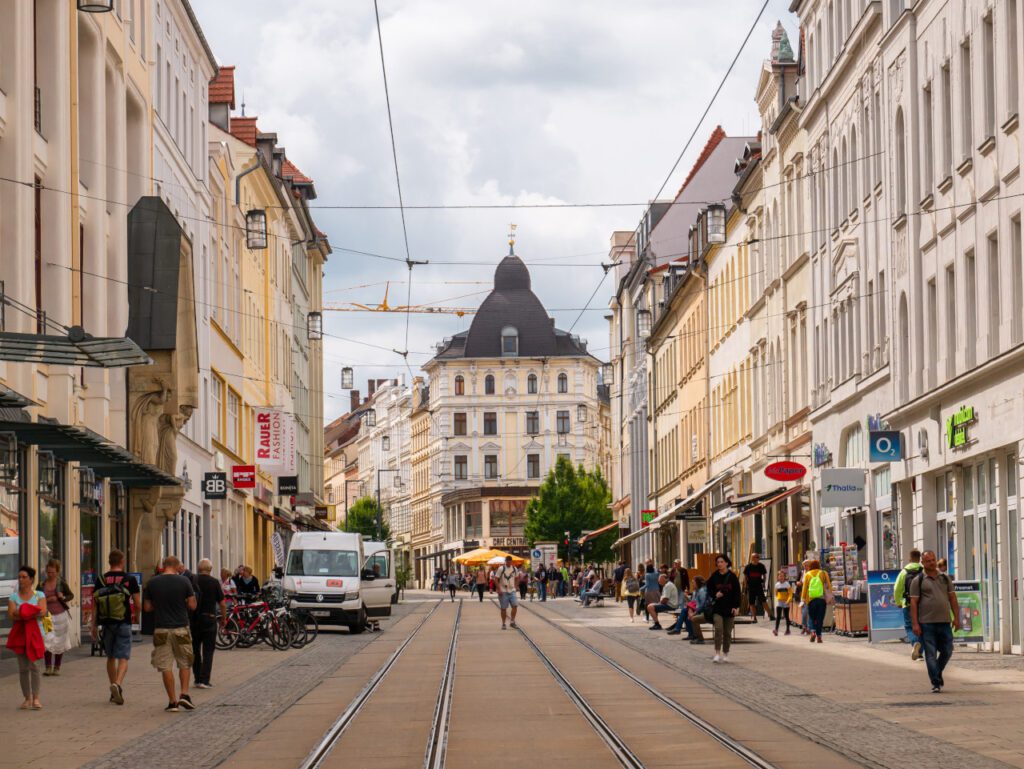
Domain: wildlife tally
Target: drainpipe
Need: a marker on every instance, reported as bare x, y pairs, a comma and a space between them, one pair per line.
238, 182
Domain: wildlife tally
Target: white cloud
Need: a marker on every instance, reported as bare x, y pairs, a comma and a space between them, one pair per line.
493, 102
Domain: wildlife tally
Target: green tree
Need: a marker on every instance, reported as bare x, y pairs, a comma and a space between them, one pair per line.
574, 500
362, 519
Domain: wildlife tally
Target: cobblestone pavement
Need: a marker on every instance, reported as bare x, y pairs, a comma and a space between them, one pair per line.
79, 729
870, 703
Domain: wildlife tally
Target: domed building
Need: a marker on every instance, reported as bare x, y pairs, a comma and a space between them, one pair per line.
506, 399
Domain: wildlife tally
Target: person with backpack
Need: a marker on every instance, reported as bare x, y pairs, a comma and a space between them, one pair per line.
902, 599
211, 611
816, 595
934, 613
115, 595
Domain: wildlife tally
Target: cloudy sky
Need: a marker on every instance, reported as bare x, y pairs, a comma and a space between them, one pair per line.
493, 102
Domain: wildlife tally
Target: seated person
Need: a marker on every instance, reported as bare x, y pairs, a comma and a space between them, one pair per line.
692, 613
669, 601
592, 592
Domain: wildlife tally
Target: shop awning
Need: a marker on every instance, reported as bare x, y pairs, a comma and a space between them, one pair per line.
92, 450
753, 503
687, 503
438, 554
630, 537
14, 400
75, 349
598, 532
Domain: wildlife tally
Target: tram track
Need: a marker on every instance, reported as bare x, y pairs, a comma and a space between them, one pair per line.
622, 752
323, 753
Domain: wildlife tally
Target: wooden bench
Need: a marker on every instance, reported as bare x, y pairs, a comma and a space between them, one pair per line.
597, 599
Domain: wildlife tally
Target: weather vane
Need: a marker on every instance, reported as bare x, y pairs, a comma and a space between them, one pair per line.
511, 238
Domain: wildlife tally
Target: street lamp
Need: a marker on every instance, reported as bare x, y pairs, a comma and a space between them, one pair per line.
8, 458
256, 229
370, 417
716, 223
347, 378
96, 6
314, 326
607, 374
87, 498
643, 323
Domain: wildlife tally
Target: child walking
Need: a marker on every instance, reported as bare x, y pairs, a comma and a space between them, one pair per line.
783, 595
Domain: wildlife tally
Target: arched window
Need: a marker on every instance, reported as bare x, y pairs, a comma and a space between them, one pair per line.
488, 385
509, 342
460, 385
901, 164
531, 384
563, 383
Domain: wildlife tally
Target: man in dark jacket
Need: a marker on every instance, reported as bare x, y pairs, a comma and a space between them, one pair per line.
211, 610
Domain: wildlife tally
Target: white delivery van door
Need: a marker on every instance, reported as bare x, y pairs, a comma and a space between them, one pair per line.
377, 593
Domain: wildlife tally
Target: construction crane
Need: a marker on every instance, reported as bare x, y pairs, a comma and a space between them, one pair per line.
385, 307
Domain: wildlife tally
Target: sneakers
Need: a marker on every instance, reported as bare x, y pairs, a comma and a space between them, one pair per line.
787, 631
48, 671
513, 624
724, 659
936, 690
116, 694
673, 632
172, 707
202, 686
503, 626
655, 626
186, 702
717, 658
916, 654
697, 641
775, 632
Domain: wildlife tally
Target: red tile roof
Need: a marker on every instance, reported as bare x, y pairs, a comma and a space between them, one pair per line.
716, 137
290, 173
244, 129
222, 87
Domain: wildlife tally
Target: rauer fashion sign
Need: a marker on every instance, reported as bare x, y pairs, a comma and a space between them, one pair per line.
842, 487
275, 441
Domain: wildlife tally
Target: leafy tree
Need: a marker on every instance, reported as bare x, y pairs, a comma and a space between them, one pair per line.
571, 499
362, 519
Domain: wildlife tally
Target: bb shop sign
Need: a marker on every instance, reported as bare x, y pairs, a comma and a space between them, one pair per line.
842, 487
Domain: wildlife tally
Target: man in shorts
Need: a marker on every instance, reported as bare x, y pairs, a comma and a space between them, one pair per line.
505, 580
117, 635
170, 597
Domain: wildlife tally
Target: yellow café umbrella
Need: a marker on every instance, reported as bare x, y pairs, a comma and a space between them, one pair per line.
473, 557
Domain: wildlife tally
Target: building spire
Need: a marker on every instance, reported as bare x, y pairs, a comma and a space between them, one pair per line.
512, 240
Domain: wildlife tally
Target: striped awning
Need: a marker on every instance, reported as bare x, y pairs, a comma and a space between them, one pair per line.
598, 532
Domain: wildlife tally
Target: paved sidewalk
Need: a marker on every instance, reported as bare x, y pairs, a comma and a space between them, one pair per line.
78, 727
866, 700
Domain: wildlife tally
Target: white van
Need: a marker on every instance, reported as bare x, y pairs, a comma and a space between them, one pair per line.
8, 566
325, 574
382, 592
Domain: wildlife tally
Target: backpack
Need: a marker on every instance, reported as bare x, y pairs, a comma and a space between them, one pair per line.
113, 603
815, 588
911, 575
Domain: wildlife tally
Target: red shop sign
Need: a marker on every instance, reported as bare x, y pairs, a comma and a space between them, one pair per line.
785, 471
243, 476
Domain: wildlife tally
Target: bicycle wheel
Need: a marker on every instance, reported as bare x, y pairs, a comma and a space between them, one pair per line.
276, 632
298, 630
310, 623
228, 634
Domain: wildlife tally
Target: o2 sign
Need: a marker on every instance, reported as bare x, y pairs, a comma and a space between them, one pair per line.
885, 446
785, 471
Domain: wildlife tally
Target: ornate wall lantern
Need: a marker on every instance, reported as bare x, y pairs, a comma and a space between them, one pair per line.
607, 374
88, 499
581, 413
370, 417
47, 473
256, 229
314, 326
643, 323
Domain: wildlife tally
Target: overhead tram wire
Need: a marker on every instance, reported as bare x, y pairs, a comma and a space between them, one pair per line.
689, 141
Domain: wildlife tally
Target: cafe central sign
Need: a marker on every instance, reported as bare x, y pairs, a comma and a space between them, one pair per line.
956, 427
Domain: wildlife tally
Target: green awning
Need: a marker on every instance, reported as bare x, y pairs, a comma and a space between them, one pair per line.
90, 449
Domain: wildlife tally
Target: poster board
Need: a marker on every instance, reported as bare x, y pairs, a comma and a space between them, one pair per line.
973, 622
885, 618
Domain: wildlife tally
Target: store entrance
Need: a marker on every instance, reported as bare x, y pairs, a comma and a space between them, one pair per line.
1013, 533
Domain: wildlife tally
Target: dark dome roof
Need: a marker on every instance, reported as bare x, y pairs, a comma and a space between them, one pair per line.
512, 304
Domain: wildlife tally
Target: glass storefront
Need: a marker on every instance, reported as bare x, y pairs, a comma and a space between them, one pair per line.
52, 513
508, 517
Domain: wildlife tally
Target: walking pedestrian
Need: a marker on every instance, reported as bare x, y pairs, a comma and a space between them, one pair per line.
724, 590
563, 581
617, 576
115, 595
783, 595
652, 591
542, 583
453, 584
481, 582
932, 605
816, 595
505, 581
58, 597
902, 599
211, 610
754, 575
26, 607
523, 583
171, 597
630, 591
668, 601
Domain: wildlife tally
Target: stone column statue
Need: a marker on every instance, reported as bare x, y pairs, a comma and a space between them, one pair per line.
145, 424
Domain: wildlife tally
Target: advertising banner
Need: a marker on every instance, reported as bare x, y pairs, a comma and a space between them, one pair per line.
277, 545
243, 476
885, 445
215, 485
972, 612
842, 487
884, 616
276, 441
287, 485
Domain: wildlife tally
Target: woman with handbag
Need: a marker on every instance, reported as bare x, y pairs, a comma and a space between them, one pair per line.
816, 595
58, 599
723, 603
630, 591
25, 609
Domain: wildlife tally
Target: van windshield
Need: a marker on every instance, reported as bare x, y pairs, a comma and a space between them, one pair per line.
323, 563
8, 567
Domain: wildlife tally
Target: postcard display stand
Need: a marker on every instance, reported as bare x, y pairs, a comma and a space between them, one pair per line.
851, 608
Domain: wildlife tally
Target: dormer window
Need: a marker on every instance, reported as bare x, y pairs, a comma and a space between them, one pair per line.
509, 342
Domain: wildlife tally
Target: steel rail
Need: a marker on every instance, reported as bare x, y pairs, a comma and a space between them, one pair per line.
437, 743
323, 748
734, 746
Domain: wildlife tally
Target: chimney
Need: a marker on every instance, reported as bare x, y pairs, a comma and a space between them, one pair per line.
371, 387
353, 400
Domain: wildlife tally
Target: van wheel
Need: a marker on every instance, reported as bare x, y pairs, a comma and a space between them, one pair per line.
360, 624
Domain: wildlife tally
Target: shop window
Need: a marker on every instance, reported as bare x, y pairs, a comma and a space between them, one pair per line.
490, 423
982, 487
1011, 477
474, 519
967, 479
508, 517
52, 508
